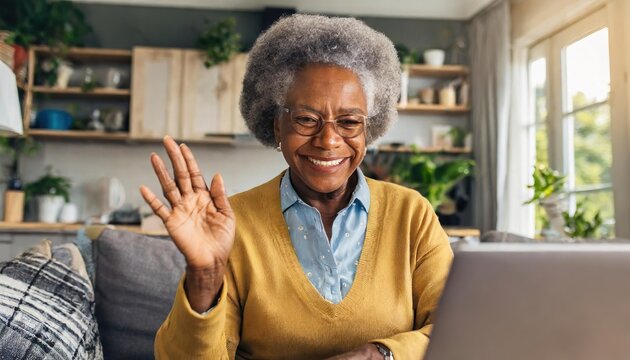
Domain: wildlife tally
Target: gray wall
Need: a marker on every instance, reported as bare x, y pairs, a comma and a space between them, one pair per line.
242, 167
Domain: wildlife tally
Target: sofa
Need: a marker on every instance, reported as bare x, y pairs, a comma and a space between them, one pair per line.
104, 296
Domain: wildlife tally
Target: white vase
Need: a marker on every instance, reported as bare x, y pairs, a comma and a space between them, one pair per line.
434, 57
554, 213
48, 207
64, 71
404, 85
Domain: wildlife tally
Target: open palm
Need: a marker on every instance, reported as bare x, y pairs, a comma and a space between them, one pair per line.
199, 220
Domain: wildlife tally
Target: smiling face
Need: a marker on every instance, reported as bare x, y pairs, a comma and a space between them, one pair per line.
322, 163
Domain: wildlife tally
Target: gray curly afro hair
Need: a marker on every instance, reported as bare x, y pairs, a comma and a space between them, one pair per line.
295, 41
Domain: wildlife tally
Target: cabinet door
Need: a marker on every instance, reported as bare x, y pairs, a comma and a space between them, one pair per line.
210, 96
156, 89
200, 109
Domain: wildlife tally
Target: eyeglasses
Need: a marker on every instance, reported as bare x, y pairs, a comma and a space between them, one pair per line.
308, 123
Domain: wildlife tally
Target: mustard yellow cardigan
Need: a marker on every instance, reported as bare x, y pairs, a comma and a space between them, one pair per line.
268, 309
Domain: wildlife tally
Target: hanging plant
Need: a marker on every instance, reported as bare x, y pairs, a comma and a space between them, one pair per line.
220, 42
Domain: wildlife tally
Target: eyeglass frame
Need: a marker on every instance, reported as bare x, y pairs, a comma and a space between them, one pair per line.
322, 123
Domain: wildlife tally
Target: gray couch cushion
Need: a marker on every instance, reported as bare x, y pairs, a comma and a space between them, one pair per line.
136, 280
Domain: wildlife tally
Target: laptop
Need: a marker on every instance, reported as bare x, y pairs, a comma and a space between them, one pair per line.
535, 301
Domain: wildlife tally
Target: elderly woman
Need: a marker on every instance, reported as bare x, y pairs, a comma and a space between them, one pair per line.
320, 261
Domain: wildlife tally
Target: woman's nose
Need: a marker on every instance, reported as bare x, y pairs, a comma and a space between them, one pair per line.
328, 136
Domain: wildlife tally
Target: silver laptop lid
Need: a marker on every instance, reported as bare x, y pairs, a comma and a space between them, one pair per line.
535, 301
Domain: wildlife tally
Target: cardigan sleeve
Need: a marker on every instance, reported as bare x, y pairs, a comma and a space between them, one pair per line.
428, 279
186, 334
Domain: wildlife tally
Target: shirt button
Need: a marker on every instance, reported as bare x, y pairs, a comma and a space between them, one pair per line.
323, 257
347, 234
300, 227
309, 274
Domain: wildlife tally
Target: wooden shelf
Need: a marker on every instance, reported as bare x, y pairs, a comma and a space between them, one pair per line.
434, 109
43, 228
462, 232
438, 71
90, 53
78, 91
78, 134
425, 150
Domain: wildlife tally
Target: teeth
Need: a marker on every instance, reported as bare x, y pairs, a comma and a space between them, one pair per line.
325, 163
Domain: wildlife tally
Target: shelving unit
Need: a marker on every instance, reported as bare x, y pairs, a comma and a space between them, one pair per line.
79, 57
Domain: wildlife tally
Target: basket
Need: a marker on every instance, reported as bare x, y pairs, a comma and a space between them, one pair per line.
6, 51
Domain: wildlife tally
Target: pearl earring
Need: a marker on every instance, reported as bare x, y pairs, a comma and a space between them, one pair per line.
279, 147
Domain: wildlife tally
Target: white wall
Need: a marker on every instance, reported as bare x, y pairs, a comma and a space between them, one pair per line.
242, 168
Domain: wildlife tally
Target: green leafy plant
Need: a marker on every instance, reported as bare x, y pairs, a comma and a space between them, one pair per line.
433, 180
458, 136
546, 183
579, 225
406, 55
48, 184
220, 42
58, 24
14, 147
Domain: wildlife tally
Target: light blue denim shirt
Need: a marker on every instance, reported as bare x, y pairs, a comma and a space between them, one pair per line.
330, 266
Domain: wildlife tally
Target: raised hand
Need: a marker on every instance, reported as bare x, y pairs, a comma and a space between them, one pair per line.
199, 220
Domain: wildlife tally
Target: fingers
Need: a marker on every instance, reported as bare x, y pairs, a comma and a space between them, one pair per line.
196, 178
156, 205
180, 169
219, 197
169, 187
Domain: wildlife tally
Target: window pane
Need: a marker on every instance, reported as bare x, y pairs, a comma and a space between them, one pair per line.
537, 85
587, 71
601, 201
538, 131
592, 147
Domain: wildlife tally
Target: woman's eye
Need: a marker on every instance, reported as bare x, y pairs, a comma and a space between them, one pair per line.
306, 121
349, 122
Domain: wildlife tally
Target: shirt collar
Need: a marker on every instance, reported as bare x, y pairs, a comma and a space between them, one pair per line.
288, 196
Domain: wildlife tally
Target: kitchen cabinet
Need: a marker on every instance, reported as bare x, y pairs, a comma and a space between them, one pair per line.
175, 94
156, 85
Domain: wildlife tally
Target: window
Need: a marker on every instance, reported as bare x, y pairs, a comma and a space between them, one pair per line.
569, 127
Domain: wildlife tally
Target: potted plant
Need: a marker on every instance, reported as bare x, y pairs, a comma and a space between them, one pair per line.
579, 226
220, 42
50, 192
57, 24
548, 185
14, 147
433, 180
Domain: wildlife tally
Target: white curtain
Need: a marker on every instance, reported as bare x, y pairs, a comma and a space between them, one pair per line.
513, 216
490, 94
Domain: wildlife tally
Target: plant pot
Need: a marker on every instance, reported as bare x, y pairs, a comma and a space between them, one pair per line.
434, 57
48, 207
20, 57
554, 213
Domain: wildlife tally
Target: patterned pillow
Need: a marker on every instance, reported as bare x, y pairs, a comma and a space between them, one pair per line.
46, 308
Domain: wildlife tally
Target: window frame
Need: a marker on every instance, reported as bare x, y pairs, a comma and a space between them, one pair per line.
559, 133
